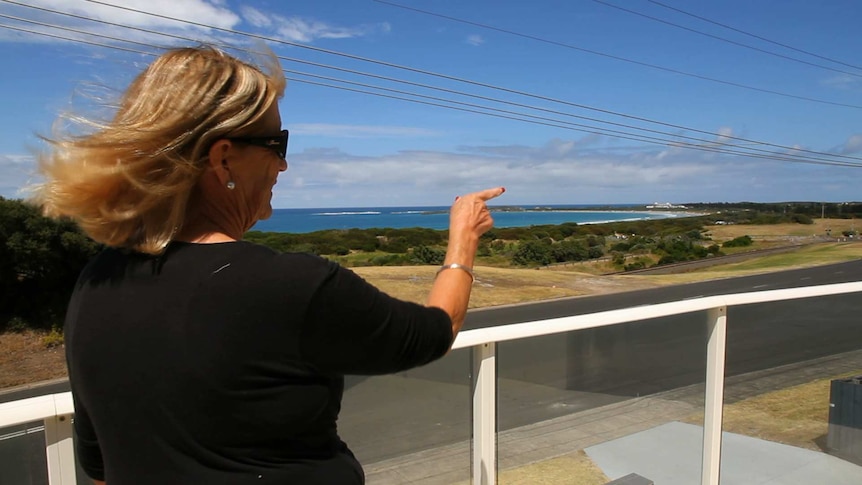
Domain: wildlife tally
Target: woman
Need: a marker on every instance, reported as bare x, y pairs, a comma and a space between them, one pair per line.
195, 357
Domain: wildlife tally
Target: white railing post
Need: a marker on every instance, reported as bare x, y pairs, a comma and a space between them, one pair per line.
60, 450
484, 384
714, 395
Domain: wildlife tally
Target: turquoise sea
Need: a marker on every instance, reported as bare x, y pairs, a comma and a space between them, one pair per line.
310, 220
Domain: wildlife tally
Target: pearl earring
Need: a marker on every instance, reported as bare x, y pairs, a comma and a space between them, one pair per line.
231, 185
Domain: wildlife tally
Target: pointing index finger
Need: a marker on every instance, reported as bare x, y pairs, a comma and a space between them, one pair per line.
489, 194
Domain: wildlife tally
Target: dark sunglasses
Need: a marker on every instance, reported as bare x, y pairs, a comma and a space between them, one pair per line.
277, 143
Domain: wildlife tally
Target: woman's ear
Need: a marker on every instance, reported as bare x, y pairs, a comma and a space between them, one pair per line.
217, 160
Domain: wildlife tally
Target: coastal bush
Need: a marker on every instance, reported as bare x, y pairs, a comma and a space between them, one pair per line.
534, 252
801, 219
569, 250
595, 252
396, 244
40, 259
54, 338
390, 260
428, 255
16, 324
738, 242
620, 247
676, 249
567, 229
594, 240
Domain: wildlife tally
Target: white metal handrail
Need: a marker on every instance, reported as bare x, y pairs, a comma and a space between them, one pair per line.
484, 342
56, 410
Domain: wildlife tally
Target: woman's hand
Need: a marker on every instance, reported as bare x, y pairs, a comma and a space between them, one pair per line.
469, 218
469, 215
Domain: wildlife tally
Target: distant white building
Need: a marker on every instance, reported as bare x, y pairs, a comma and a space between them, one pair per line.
665, 205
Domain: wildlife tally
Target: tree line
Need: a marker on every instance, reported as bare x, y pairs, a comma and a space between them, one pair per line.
40, 259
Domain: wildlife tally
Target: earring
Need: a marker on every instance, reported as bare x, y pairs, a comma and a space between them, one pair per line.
231, 185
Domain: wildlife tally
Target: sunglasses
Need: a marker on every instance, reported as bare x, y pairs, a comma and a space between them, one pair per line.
277, 143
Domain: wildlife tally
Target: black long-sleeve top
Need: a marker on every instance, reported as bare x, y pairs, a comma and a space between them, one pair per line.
224, 363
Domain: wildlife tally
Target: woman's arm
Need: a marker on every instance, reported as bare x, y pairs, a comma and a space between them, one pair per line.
469, 218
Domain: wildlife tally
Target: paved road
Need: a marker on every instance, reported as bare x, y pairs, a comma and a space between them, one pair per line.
546, 377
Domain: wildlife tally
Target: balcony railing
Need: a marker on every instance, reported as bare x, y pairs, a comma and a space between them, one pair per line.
56, 410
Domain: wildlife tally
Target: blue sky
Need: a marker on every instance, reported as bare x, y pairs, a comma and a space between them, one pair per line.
350, 149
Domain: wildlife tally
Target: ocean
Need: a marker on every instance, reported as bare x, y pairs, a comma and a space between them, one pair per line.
310, 220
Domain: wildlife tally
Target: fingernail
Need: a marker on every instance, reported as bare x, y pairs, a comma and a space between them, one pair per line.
456, 198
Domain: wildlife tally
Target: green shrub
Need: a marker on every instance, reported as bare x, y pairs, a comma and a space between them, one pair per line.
16, 324
532, 252
53, 339
428, 255
738, 242
801, 219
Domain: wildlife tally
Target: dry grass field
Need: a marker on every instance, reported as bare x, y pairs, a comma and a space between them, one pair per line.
785, 231
573, 469
25, 358
796, 416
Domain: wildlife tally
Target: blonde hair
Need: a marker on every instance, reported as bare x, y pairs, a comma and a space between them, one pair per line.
127, 183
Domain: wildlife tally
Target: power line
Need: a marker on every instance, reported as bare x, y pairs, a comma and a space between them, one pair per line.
740, 44
448, 77
588, 128
753, 35
614, 57
719, 148
607, 131
643, 138
97, 44
633, 137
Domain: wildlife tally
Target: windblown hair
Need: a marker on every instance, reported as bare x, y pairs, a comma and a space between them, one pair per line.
127, 183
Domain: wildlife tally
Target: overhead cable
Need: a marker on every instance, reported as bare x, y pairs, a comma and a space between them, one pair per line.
445, 76
758, 37
615, 132
740, 44
615, 57
715, 148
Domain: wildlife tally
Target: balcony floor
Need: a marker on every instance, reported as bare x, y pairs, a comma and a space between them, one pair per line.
649, 424
670, 454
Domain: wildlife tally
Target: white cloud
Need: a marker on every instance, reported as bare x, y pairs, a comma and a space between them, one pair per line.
475, 39
560, 171
200, 11
203, 12
298, 29
844, 82
200, 21
358, 131
255, 17
852, 145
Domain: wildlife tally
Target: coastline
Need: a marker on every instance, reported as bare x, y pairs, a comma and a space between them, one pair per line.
309, 220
